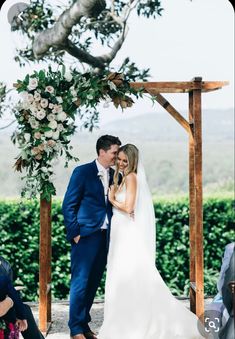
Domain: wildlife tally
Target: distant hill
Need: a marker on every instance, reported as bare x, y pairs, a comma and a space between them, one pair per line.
164, 147
217, 125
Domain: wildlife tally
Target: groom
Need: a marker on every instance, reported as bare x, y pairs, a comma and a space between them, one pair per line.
87, 213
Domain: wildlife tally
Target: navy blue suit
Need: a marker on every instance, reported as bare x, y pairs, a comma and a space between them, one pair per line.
84, 209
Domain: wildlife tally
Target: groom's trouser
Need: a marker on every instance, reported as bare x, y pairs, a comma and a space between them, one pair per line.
88, 261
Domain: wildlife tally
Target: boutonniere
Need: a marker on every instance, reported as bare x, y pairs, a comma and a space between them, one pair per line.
100, 175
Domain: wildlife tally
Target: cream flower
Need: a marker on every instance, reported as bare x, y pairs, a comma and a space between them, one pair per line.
51, 117
33, 83
25, 105
37, 96
41, 114
41, 147
35, 151
68, 76
48, 134
44, 103
30, 98
56, 135
49, 89
60, 127
61, 116
33, 123
57, 109
37, 135
51, 143
59, 100
38, 156
52, 124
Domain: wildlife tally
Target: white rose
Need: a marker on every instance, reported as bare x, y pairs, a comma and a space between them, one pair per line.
51, 143
49, 89
27, 137
33, 83
37, 135
51, 117
48, 134
33, 110
30, 98
60, 127
56, 135
24, 95
59, 100
37, 96
25, 105
62, 116
68, 76
41, 114
44, 103
51, 106
57, 109
52, 124
33, 123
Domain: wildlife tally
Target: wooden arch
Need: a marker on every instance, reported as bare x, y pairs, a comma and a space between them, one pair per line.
193, 127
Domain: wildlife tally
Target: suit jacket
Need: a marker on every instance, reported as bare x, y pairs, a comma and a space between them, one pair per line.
229, 249
84, 207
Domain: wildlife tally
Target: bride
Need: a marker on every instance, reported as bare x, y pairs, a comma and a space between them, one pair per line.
138, 304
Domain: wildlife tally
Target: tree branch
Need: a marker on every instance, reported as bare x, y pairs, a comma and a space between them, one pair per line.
108, 57
83, 56
57, 35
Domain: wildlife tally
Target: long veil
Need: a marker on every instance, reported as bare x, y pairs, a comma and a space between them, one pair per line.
144, 214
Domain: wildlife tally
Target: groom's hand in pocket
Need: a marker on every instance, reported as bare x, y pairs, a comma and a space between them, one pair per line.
76, 239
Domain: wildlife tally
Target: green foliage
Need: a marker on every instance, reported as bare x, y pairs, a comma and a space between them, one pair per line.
172, 245
19, 233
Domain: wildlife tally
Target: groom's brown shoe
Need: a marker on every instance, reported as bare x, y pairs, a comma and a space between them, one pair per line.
78, 336
90, 335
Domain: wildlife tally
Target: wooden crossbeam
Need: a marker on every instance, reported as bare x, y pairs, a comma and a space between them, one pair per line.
179, 86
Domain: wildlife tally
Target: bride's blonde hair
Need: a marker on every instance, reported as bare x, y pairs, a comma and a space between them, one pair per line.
132, 154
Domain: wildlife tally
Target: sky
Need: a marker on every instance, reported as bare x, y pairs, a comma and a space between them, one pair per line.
191, 38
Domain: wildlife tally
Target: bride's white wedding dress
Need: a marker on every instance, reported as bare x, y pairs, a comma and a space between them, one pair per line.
138, 304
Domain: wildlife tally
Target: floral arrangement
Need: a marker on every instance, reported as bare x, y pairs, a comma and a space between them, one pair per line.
49, 101
8, 330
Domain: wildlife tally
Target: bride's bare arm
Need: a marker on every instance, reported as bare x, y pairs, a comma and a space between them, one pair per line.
5, 305
129, 203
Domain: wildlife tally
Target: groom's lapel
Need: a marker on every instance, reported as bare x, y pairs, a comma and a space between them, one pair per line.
98, 181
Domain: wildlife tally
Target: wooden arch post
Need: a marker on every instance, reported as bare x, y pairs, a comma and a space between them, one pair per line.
45, 266
196, 201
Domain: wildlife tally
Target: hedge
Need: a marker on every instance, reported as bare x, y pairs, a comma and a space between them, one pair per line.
19, 234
